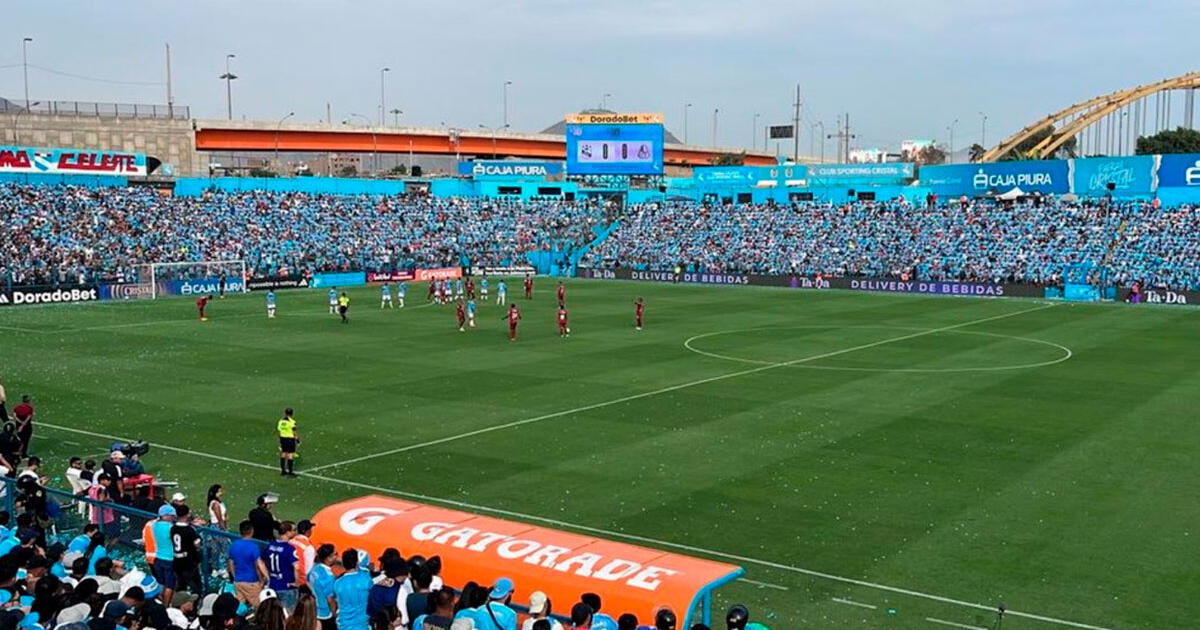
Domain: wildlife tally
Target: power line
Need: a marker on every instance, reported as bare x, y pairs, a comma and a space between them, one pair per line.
97, 79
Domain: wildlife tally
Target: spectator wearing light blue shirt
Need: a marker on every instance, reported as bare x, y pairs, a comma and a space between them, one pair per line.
352, 591
495, 614
600, 621
320, 580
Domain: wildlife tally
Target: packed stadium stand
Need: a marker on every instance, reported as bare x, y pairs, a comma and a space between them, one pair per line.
65, 234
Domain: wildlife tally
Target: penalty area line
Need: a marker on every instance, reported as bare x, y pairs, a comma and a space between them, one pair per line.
712, 553
672, 388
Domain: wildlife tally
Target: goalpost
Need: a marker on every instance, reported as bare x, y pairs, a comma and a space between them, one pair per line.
192, 278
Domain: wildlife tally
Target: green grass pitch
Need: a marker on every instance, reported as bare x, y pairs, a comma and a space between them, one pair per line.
873, 461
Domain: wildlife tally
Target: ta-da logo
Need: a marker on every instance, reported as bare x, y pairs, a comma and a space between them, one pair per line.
1191, 176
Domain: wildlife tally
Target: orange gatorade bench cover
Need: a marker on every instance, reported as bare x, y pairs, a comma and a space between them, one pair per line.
564, 565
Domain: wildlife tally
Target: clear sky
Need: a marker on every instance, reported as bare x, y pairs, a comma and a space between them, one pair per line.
901, 69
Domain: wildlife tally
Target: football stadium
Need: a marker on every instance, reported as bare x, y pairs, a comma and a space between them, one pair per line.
597, 362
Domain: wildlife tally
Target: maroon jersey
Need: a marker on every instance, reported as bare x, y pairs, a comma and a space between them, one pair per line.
641, 308
562, 317
562, 293
514, 316
461, 311
202, 302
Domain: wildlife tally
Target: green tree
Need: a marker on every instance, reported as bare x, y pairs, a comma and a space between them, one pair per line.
932, 154
1179, 140
976, 152
347, 171
399, 169
262, 172
729, 159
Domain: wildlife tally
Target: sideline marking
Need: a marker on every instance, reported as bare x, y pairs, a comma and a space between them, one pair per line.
664, 390
1067, 352
851, 602
777, 587
603, 532
954, 625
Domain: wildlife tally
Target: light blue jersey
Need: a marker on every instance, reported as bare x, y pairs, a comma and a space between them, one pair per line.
386, 290
471, 308
333, 296
483, 284
270, 299
501, 288
401, 289
458, 286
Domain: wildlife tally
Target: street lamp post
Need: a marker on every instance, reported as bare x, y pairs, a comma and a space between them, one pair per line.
229, 77
374, 140
951, 128
382, 99
604, 100
685, 122
505, 118
493, 130
279, 124
983, 131
754, 136
714, 136
821, 124
16, 119
25, 66
396, 116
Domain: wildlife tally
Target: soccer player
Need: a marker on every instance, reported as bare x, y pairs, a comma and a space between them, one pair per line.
221, 285
501, 293
460, 311
401, 291
333, 301
483, 288
562, 294
201, 304
639, 310
471, 312
563, 330
444, 292
385, 296
432, 290
458, 287
289, 439
270, 305
528, 287
470, 289
514, 317
344, 306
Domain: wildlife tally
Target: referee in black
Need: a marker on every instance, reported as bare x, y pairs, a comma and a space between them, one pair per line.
288, 440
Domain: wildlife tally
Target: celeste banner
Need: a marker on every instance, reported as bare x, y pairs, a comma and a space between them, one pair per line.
749, 175
71, 161
506, 169
861, 174
1129, 175
1041, 176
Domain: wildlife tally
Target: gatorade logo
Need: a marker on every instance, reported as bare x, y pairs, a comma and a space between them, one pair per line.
359, 521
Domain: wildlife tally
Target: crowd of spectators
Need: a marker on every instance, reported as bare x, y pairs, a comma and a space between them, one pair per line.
67, 234
112, 550
977, 241
64, 234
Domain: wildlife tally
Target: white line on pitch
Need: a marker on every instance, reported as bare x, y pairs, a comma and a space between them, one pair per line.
777, 587
953, 625
851, 602
603, 532
19, 329
672, 388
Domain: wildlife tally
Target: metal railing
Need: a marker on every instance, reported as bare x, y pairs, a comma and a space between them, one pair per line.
96, 110
122, 526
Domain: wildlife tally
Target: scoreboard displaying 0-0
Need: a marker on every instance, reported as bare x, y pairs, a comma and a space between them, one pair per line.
614, 144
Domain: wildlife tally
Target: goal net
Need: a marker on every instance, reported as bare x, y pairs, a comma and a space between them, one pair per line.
192, 278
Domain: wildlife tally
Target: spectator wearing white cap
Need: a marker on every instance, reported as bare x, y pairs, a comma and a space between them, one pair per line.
539, 608
177, 500
112, 467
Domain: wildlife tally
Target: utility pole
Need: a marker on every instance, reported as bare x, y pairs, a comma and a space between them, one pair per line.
328, 113
843, 137
25, 67
686, 107
796, 128
754, 135
382, 98
714, 136
170, 98
505, 119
